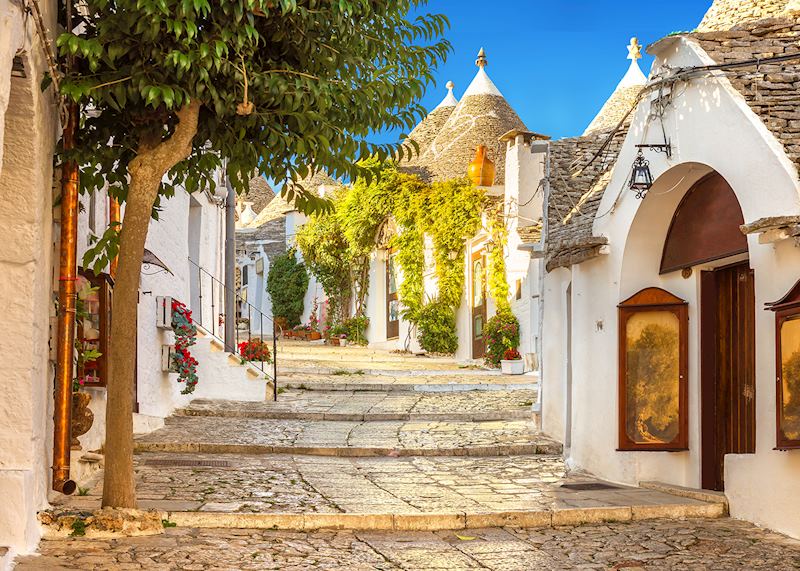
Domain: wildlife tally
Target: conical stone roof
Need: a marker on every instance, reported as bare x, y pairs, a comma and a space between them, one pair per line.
725, 14
427, 129
260, 193
624, 97
481, 117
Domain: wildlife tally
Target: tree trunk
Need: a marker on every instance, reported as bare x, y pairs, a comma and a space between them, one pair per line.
155, 157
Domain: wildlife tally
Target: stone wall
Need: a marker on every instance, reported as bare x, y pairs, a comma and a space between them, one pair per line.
725, 14
27, 133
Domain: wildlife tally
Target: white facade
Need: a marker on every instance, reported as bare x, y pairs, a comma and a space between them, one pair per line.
28, 130
711, 129
190, 227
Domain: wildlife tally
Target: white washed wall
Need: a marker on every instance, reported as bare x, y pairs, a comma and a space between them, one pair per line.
710, 125
28, 127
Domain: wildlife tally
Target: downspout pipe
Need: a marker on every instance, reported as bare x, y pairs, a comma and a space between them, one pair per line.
62, 415
230, 268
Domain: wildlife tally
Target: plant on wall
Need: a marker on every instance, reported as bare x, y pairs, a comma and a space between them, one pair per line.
498, 284
338, 246
325, 252
287, 284
185, 336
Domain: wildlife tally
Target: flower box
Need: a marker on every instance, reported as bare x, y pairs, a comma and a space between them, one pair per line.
515, 367
164, 312
168, 364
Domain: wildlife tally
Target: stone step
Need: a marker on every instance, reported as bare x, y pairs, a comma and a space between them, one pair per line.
316, 351
300, 492
405, 385
361, 406
352, 439
326, 367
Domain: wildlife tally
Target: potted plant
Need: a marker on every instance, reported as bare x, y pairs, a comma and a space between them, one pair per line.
512, 363
254, 350
335, 334
343, 340
313, 324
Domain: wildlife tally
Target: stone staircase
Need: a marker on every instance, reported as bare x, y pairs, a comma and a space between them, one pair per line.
380, 443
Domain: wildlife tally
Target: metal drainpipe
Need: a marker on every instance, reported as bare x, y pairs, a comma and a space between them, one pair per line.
230, 268
542, 271
62, 415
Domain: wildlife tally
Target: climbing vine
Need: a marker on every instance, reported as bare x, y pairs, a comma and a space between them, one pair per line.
397, 210
498, 284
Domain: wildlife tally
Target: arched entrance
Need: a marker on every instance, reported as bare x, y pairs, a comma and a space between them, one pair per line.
705, 232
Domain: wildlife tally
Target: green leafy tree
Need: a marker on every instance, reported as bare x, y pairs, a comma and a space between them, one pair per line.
170, 90
287, 283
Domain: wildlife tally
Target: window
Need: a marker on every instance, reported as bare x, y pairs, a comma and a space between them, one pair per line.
653, 330
787, 341
94, 327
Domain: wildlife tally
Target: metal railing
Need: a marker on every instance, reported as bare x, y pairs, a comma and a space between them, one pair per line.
208, 309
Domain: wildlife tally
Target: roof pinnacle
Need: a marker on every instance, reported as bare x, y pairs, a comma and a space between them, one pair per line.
635, 50
481, 61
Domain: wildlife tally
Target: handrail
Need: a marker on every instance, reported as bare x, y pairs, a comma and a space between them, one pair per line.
216, 329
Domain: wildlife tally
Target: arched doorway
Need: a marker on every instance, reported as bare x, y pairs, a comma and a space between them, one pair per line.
705, 232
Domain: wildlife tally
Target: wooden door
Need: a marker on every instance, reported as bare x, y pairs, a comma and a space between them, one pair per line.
392, 301
478, 303
727, 369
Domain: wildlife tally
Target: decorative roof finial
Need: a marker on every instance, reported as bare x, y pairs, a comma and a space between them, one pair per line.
635, 50
450, 86
481, 61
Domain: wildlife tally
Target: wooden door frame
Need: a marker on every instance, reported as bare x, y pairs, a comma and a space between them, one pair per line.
390, 334
713, 428
479, 254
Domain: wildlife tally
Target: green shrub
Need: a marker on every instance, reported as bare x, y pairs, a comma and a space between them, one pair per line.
287, 283
501, 333
437, 328
356, 328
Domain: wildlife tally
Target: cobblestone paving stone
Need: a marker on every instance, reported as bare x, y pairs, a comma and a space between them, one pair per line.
421, 380
317, 405
439, 437
306, 484
714, 545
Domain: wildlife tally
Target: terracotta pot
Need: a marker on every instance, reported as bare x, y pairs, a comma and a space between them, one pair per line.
481, 170
82, 417
314, 336
333, 341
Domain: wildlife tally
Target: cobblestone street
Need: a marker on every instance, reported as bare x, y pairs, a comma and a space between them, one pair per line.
713, 545
434, 474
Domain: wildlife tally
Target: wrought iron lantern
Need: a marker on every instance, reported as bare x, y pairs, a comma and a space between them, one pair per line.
641, 177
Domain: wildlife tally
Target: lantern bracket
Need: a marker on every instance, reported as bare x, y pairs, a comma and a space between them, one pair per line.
665, 148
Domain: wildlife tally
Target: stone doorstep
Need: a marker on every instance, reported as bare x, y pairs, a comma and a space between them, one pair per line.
369, 417
349, 452
709, 496
438, 521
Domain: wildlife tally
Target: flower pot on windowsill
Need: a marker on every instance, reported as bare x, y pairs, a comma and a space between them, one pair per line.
515, 367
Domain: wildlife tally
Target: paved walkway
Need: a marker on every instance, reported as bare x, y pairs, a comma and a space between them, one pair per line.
397, 467
714, 545
436, 485
376, 405
348, 438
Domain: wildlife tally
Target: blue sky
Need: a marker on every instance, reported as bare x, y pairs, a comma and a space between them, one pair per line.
555, 61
